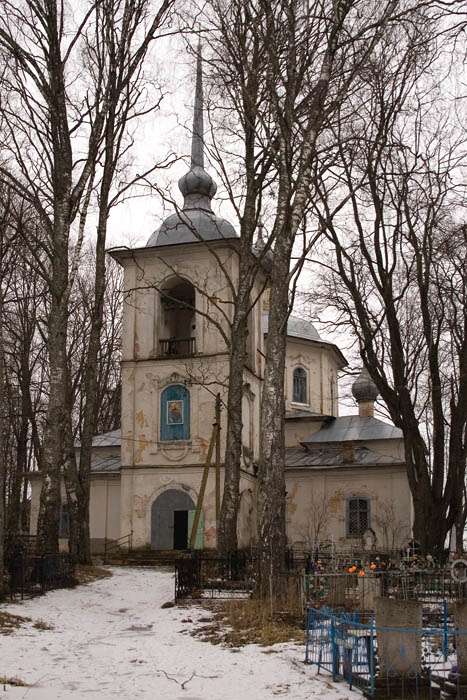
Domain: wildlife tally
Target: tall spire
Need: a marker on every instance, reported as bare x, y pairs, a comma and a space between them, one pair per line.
197, 140
197, 186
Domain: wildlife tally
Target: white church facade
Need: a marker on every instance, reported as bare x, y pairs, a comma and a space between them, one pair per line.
344, 475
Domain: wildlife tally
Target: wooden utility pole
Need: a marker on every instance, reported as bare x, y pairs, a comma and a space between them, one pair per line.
218, 460
214, 442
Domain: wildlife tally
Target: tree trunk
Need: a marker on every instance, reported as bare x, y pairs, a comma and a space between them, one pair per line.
56, 423
2, 453
227, 536
271, 473
17, 470
91, 406
82, 532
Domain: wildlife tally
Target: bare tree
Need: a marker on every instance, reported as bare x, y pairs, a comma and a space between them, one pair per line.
67, 98
394, 529
7, 264
317, 517
235, 37
124, 47
397, 276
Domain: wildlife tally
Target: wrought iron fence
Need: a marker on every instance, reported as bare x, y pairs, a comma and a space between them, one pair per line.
350, 647
422, 585
34, 575
211, 575
354, 591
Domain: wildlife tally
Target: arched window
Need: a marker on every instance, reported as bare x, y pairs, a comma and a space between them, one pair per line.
358, 516
300, 392
175, 413
177, 331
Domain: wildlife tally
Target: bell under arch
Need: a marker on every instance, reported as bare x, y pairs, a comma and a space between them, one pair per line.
177, 323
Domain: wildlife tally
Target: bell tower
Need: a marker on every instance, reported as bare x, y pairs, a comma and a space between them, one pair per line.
178, 302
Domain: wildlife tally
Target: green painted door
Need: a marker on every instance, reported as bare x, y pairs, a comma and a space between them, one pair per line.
199, 542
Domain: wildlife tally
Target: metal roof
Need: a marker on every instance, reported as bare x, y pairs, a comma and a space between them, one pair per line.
110, 439
333, 458
302, 414
192, 226
106, 464
300, 328
304, 330
355, 428
296, 328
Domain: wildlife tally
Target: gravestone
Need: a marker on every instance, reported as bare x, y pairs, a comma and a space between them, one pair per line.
460, 622
398, 631
338, 588
369, 589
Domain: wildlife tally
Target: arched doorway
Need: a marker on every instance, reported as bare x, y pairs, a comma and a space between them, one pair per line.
170, 516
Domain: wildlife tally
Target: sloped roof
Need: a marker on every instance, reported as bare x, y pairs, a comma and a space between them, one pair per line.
296, 328
303, 414
110, 439
106, 464
333, 458
302, 329
355, 428
192, 226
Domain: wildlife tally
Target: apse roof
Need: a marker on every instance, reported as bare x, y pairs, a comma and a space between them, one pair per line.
354, 428
110, 439
106, 464
302, 329
325, 457
297, 328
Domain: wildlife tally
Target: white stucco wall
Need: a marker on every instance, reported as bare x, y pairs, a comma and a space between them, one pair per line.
322, 365
140, 488
323, 494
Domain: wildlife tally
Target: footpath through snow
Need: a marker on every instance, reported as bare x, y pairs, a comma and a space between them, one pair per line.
111, 639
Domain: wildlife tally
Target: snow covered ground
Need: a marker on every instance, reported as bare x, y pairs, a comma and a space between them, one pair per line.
112, 639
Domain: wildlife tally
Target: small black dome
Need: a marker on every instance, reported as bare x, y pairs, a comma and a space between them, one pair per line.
364, 389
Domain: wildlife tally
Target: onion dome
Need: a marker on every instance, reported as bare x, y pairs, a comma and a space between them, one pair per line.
364, 389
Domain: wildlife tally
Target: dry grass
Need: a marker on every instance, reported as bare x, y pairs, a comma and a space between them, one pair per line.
88, 574
8, 622
239, 622
5, 680
42, 625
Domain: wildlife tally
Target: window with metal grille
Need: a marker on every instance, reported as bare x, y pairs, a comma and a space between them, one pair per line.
358, 516
300, 392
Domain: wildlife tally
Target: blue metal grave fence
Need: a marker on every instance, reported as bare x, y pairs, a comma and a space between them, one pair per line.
346, 646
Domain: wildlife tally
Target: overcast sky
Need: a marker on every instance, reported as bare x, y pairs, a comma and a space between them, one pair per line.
168, 131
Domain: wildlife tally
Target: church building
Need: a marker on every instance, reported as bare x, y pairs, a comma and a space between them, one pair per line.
345, 476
